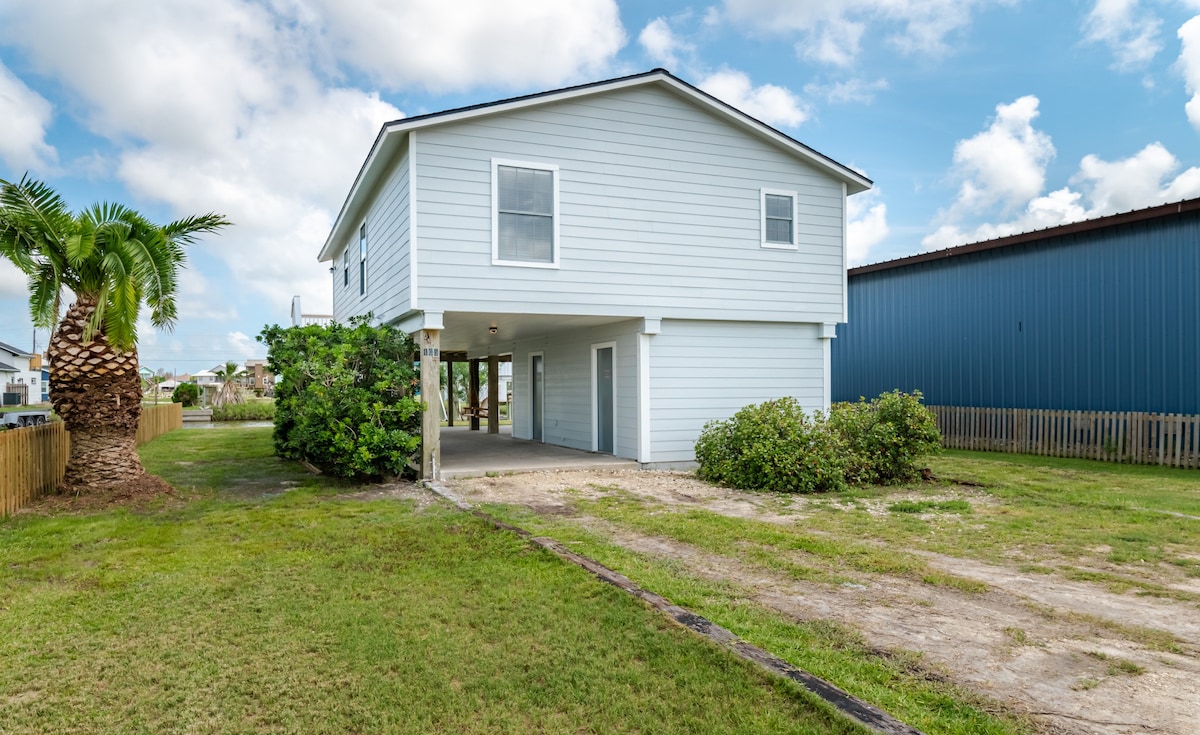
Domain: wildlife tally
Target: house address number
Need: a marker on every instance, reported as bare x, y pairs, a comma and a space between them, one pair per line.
430, 352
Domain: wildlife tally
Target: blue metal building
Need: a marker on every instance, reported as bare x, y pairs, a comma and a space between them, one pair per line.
1102, 315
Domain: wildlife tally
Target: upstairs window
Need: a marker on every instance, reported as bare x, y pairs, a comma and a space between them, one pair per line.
362, 259
778, 219
525, 214
346, 268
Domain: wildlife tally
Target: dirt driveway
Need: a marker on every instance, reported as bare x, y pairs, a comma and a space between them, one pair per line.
1074, 656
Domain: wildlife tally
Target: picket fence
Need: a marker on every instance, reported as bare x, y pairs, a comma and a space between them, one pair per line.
1171, 440
33, 459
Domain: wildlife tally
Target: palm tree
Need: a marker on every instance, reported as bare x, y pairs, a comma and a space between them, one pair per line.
228, 392
113, 260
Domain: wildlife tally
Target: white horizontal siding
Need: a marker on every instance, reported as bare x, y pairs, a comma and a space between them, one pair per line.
706, 370
659, 216
568, 418
388, 281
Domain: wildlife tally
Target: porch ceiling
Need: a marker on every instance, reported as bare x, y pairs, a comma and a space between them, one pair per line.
469, 332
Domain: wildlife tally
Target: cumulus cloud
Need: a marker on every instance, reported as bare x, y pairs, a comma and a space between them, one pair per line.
662, 44
23, 126
224, 110
439, 45
831, 31
1006, 163
1101, 187
1189, 64
769, 103
866, 225
1129, 31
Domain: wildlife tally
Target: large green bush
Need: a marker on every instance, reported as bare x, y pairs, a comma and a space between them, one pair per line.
885, 437
772, 446
186, 393
777, 446
344, 397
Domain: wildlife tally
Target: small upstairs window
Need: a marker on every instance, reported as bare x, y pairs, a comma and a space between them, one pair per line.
362, 259
346, 267
778, 219
524, 214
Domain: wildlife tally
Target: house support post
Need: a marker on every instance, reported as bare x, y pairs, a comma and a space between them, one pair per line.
449, 393
493, 407
431, 418
473, 393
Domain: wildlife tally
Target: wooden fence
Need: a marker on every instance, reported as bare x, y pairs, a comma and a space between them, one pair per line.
33, 459
1172, 440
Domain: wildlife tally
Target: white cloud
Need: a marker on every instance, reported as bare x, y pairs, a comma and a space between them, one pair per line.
219, 107
662, 45
244, 346
23, 126
440, 45
851, 90
1006, 163
1129, 31
866, 226
769, 103
831, 31
1141, 180
13, 283
1144, 179
1189, 64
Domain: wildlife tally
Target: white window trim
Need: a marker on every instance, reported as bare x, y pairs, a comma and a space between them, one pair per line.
596, 397
496, 164
762, 218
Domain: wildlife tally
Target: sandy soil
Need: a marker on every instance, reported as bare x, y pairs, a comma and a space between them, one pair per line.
1036, 643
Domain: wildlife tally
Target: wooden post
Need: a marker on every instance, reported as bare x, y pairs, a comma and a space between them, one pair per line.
473, 393
431, 419
493, 406
449, 393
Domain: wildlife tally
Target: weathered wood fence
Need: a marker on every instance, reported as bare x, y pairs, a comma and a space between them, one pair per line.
33, 459
1172, 440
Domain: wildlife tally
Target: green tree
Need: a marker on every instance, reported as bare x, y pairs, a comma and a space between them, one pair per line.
186, 393
114, 261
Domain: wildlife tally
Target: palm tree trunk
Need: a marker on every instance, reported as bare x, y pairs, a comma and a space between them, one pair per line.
97, 393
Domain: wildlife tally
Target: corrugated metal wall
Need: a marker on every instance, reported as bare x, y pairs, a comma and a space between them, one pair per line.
1106, 320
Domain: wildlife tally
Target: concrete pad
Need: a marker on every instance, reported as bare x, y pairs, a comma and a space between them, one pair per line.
467, 453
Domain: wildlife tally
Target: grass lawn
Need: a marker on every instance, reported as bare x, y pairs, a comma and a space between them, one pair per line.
264, 602
1131, 529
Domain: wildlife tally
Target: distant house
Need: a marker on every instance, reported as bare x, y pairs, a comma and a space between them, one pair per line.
1101, 315
300, 319
258, 377
646, 256
21, 373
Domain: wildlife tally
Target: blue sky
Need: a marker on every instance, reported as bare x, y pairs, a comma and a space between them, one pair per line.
975, 118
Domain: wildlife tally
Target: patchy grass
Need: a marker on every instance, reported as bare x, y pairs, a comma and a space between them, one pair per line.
263, 603
1132, 528
896, 680
791, 550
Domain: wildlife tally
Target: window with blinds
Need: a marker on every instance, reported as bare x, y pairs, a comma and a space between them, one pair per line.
526, 232
778, 219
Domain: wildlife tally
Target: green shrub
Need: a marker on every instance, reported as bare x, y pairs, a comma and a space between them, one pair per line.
885, 437
777, 446
249, 411
344, 397
772, 446
186, 393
